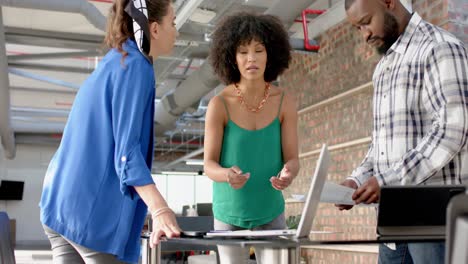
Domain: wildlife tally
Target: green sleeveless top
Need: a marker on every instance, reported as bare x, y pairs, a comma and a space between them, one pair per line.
260, 153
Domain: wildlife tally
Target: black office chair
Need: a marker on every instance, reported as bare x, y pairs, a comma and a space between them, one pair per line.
457, 230
205, 209
185, 209
7, 254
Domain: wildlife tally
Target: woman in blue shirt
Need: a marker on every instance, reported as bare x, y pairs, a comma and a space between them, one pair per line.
98, 185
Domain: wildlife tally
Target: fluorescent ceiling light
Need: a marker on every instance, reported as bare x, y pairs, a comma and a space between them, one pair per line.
202, 16
194, 162
186, 11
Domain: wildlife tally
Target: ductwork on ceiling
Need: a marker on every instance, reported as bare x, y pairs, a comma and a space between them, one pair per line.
92, 14
175, 102
189, 92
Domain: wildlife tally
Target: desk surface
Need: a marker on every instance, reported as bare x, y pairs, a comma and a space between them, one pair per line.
314, 239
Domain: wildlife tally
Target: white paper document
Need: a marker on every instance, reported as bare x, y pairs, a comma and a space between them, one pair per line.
337, 194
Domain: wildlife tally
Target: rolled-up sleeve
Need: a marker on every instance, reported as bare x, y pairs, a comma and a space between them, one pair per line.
131, 101
365, 170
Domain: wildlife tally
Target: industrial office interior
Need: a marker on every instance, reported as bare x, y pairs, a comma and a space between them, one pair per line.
49, 47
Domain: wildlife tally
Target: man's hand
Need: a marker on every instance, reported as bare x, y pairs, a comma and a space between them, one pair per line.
351, 184
235, 178
368, 193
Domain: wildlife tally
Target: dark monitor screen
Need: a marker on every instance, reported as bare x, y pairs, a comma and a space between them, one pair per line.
415, 205
11, 190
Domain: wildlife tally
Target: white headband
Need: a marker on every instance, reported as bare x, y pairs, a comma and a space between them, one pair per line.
138, 11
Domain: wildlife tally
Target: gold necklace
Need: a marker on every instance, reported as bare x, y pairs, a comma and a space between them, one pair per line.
242, 101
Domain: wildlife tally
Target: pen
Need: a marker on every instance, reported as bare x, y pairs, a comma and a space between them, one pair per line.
278, 175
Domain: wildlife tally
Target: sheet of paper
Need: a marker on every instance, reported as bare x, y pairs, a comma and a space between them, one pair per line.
337, 194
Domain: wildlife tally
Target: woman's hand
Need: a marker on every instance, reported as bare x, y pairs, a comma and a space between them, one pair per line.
164, 224
284, 180
235, 178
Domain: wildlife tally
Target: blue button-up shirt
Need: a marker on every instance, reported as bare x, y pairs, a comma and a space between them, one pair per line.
107, 148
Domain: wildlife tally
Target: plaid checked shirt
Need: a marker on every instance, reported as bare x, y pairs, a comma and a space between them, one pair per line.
420, 111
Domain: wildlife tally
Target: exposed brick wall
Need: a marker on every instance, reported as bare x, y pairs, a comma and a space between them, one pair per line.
458, 19
345, 62
313, 256
434, 11
336, 123
451, 15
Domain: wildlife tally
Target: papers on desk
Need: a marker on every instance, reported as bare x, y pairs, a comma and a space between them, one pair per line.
339, 194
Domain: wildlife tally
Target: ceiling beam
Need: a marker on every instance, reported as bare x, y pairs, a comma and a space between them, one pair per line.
83, 7
53, 55
38, 112
42, 90
53, 39
187, 10
45, 67
184, 158
7, 138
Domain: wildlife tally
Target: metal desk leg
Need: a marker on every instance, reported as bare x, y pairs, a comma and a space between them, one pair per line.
150, 255
281, 255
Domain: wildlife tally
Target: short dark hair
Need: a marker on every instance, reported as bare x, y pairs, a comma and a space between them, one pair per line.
241, 28
348, 4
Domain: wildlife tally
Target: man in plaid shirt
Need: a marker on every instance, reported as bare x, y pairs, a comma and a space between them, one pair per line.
420, 111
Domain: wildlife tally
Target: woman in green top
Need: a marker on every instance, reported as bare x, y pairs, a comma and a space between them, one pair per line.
251, 129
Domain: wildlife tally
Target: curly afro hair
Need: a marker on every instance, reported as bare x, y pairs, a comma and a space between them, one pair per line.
240, 29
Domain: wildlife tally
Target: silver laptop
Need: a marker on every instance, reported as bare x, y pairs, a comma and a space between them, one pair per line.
308, 212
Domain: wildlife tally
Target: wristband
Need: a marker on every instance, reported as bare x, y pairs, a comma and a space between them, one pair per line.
160, 211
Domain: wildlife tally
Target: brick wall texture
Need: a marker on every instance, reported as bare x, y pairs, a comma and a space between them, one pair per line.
345, 62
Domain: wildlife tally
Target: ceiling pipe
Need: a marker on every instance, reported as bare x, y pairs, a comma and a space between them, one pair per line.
6, 133
176, 101
288, 11
299, 45
202, 81
92, 14
307, 44
42, 78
